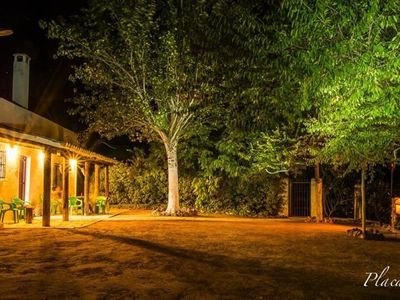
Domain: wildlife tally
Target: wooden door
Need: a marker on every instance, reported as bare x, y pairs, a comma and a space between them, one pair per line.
22, 177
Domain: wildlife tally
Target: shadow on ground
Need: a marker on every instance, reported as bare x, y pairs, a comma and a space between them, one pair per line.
191, 260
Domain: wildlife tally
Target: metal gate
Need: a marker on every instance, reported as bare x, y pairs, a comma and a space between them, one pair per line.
300, 196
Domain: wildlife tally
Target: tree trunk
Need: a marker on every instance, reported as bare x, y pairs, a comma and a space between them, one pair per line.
173, 187
363, 201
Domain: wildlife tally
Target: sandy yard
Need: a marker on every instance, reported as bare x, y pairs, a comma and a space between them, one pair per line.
137, 256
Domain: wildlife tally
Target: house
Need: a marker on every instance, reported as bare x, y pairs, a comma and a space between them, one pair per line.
40, 161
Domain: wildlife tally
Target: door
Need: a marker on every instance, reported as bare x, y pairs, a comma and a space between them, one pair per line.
22, 177
300, 199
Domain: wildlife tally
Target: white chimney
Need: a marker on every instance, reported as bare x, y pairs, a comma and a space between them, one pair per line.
20, 91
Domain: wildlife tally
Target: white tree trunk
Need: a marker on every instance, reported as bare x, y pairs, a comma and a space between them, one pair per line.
173, 187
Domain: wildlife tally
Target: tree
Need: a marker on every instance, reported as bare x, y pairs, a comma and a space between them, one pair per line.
259, 115
350, 55
136, 73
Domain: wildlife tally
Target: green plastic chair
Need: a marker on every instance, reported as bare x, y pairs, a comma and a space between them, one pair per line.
3, 209
55, 206
101, 204
79, 205
74, 203
19, 205
10, 207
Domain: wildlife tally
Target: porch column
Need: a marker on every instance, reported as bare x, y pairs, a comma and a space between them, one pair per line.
316, 199
106, 181
86, 187
65, 194
107, 187
46, 188
96, 180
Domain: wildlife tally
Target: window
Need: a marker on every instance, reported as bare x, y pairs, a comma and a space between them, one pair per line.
2, 164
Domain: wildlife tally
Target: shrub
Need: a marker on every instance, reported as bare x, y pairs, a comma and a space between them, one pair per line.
138, 184
143, 182
148, 188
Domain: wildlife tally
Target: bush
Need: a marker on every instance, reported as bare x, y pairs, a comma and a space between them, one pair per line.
144, 183
138, 183
256, 195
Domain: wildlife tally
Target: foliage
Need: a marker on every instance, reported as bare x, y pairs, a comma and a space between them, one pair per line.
349, 53
239, 38
277, 152
141, 182
378, 195
338, 193
134, 68
138, 72
258, 87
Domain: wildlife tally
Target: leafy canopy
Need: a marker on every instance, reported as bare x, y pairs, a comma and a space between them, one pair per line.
349, 52
139, 76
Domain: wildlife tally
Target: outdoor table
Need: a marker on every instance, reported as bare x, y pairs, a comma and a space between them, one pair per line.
28, 214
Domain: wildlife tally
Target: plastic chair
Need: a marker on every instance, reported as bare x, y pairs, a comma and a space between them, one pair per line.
74, 203
79, 205
19, 206
101, 204
3, 210
55, 206
71, 203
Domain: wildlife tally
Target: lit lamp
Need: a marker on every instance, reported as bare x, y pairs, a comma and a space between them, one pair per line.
73, 163
5, 32
12, 153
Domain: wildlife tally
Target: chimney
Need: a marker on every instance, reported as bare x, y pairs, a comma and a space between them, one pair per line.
20, 90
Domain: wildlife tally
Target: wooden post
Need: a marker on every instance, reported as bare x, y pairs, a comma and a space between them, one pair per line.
316, 205
363, 201
46, 188
107, 182
319, 195
107, 187
86, 187
65, 195
96, 180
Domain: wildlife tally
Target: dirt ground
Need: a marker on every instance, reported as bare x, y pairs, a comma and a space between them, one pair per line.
131, 256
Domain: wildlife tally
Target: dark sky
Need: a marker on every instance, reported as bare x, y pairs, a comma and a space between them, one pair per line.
49, 85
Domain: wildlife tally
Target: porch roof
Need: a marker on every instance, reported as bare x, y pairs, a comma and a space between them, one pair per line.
23, 126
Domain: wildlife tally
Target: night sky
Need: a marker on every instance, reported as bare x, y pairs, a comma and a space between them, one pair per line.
49, 84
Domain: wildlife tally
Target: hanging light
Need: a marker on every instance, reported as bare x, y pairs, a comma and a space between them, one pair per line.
5, 32
73, 163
